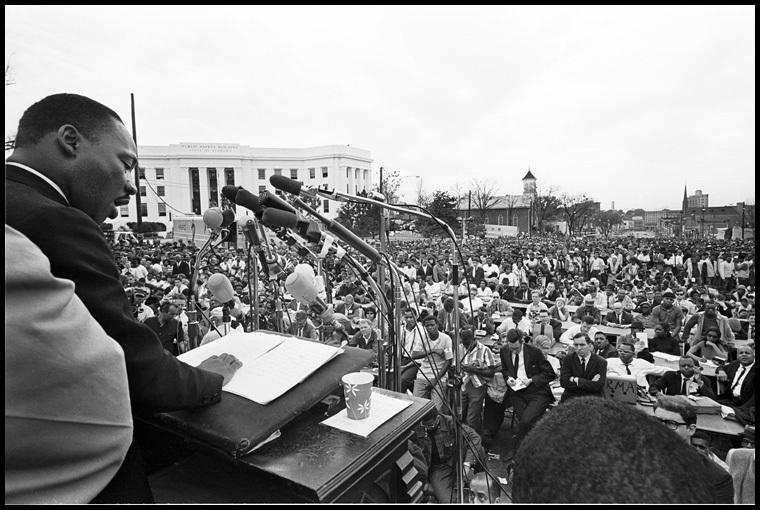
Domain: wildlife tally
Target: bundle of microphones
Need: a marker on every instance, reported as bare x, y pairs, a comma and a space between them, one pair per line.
300, 234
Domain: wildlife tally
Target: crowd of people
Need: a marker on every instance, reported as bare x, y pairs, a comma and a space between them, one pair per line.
530, 293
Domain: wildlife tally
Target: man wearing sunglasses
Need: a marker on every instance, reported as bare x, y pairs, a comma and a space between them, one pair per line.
680, 416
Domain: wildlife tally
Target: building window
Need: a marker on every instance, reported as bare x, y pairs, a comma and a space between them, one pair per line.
485, 220
124, 210
229, 176
500, 220
347, 189
142, 191
294, 173
312, 173
142, 172
162, 209
213, 188
159, 173
161, 191
262, 174
515, 220
143, 209
262, 187
326, 206
195, 190
357, 174
278, 171
324, 172
348, 172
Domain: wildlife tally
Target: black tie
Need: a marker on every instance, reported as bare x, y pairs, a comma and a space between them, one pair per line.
515, 363
684, 391
583, 365
741, 374
627, 369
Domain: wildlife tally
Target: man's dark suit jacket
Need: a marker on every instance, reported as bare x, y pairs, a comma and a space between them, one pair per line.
182, 267
536, 368
571, 367
423, 272
475, 276
78, 251
625, 317
670, 384
748, 386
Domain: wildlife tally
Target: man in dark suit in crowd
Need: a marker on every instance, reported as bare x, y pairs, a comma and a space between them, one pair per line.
617, 315
686, 381
603, 346
67, 174
527, 374
738, 377
583, 372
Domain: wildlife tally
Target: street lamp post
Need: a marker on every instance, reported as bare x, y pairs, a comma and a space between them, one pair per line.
703, 223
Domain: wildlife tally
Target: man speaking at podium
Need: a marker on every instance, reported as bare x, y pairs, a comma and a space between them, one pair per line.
67, 174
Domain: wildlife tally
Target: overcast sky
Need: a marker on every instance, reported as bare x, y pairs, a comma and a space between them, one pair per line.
626, 104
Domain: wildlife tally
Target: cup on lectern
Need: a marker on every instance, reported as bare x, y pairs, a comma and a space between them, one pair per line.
357, 388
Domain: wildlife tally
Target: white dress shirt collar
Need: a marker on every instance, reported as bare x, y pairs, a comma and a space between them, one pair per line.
43, 177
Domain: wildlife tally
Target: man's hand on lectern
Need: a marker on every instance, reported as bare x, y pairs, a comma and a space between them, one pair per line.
225, 365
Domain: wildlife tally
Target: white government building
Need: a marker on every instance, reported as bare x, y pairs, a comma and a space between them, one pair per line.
189, 176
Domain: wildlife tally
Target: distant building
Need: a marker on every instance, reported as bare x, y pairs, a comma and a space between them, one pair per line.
187, 178
516, 210
697, 200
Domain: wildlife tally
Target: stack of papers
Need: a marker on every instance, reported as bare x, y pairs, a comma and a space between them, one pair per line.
272, 364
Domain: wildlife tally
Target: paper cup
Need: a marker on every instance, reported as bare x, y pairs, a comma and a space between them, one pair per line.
357, 388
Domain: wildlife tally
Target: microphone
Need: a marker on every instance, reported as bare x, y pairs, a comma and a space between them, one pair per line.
245, 198
221, 288
213, 218
300, 284
249, 230
291, 186
309, 230
229, 192
269, 199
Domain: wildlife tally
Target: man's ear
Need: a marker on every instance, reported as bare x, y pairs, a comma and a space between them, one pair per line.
69, 139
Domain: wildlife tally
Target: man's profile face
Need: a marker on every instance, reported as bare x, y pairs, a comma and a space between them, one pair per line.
101, 172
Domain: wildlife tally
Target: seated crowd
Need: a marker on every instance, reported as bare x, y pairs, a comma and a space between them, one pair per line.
533, 316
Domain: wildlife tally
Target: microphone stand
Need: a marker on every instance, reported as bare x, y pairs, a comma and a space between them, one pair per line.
455, 397
249, 229
193, 328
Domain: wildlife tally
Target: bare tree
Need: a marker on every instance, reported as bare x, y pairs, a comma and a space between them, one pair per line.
484, 195
545, 205
390, 185
577, 209
510, 201
10, 140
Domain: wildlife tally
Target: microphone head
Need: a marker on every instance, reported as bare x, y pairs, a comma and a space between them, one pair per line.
286, 184
301, 287
245, 198
304, 269
277, 218
269, 199
376, 195
228, 217
229, 192
213, 218
220, 287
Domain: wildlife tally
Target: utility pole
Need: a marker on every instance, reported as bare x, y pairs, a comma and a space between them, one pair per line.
138, 202
744, 204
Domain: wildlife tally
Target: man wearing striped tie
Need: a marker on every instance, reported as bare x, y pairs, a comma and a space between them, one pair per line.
738, 378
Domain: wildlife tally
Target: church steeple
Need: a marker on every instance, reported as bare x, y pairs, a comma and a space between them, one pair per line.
685, 202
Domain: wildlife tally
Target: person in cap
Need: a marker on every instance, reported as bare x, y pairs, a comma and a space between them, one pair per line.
669, 314
588, 308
